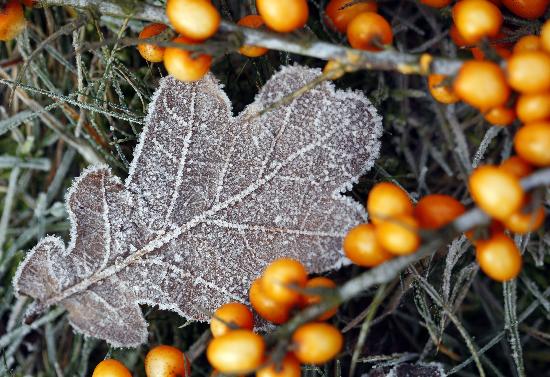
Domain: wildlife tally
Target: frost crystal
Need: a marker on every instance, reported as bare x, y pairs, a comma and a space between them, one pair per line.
210, 200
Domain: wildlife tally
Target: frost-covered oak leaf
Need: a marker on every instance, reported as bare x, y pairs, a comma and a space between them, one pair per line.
210, 200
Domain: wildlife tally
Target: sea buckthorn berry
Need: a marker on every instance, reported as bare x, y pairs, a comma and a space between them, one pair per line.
456, 37
254, 22
288, 367
194, 19
283, 15
527, 43
237, 352
436, 210
341, 14
369, 31
529, 72
529, 9
517, 166
387, 200
399, 236
533, 107
233, 313
12, 20
495, 227
500, 116
522, 222
441, 92
267, 308
532, 143
186, 65
111, 368
362, 248
312, 298
499, 257
278, 278
436, 3
316, 343
166, 361
545, 36
481, 84
496, 191
476, 19
148, 51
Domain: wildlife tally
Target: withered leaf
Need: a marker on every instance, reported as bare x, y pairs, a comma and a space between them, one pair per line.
209, 201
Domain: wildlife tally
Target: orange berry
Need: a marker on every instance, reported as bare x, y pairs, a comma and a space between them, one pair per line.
399, 236
288, 367
362, 247
387, 200
166, 361
532, 143
283, 15
194, 19
254, 22
237, 352
436, 210
476, 19
278, 278
267, 308
481, 84
533, 107
495, 227
545, 36
516, 166
12, 20
341, 15
499, 257
442, 93
529, 72
317, 343
232, 313
148, 51
186, 65
527, 43
368, 31
521, 222
436, 3
500, 116
529, 9
312, 298
496, 191
111, 368
456, 37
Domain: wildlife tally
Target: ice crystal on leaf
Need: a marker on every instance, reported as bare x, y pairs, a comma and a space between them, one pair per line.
210, 200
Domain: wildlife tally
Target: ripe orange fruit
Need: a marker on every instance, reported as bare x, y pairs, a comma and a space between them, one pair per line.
151, 52
545, 36
522, 222
481, 84
529, 9
254, 22
456, 37
362, 248
387, 200
194, 19
317, 342
111, 368
436, 3
12, 20
533, 107
237, 352
288, 367
532, 143
341, 15
283, 15
442, 93
186, 65
312, 299
399, 236
267, 308
278, 278
475, 19
232, 313
368, 31
499, 257
527, 43
436, 210
162, 361
501, 116
529, 72
516, 166
496, 191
